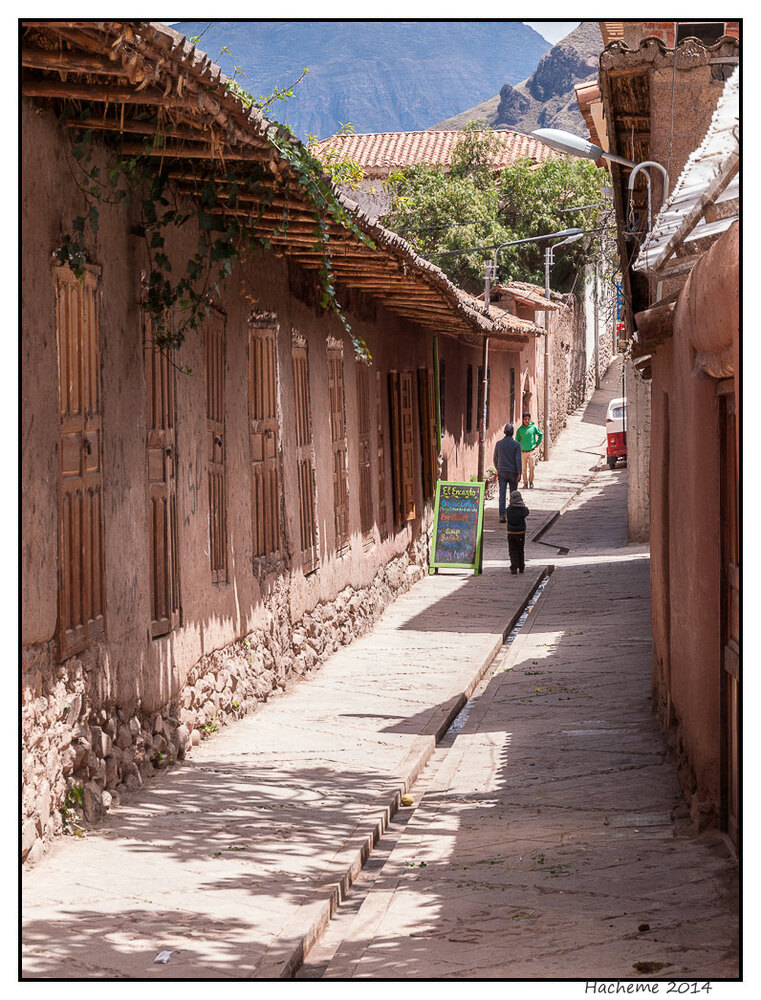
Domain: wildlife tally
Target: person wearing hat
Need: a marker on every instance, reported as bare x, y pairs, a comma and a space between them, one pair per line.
507, 462
517, 512
529, 437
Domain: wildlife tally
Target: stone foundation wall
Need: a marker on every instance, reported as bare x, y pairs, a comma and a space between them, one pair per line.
79, 756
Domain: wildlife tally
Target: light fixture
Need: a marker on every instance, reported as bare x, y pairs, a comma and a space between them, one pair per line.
567, 142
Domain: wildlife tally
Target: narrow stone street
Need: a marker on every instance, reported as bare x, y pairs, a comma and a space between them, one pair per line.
547, 839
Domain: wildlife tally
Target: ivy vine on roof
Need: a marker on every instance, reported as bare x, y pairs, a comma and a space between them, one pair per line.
226, 208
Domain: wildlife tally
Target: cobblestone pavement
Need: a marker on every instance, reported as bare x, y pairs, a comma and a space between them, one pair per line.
549, 839
234, 861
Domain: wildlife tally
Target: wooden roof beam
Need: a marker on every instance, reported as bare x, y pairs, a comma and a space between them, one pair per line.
70, 62
193, 153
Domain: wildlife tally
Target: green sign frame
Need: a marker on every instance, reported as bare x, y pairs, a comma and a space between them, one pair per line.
463, 504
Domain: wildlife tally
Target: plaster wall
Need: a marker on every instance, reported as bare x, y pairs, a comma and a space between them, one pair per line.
638, 433
686, 512
685, 548
103, 720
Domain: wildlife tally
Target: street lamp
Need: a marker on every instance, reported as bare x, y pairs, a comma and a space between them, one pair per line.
566, 142
548, 262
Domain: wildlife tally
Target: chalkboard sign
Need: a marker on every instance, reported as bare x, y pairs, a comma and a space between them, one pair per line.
457, 526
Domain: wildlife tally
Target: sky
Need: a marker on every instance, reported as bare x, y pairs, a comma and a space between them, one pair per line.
553, 31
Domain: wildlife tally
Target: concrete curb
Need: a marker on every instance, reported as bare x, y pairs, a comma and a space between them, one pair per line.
305, 926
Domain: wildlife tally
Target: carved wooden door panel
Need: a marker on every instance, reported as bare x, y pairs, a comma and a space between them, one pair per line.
214, 370
402, 446
408, 445
365, 479
161, 459
81, 590
426, 406
264, 439
382, 517
310, 554
338, 439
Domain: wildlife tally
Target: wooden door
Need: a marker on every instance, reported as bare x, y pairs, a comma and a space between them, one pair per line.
469, 401
264, 441
382, 516
81, 583
310, 555
365, 479
161, 463
730, 616
427, 432
214, 370
338, 443
402, 438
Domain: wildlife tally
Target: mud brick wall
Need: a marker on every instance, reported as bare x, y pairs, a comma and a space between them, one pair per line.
81, 756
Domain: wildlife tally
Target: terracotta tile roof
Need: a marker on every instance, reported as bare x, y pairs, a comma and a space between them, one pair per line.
379, 153
524, 294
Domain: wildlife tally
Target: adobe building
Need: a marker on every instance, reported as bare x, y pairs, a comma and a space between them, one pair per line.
671, 95
206, 521
379, 154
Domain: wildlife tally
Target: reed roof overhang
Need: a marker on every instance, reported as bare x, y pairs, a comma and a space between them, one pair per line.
151, 91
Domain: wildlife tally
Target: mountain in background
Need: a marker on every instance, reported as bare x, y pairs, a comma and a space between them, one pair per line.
382, 76
546, 99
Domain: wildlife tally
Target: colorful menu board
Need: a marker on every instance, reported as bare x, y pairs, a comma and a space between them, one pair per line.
457, 526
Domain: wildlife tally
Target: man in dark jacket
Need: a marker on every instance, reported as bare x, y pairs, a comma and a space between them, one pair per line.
507, 462
517, 513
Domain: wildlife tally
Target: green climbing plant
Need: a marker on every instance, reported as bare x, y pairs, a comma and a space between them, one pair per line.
226, 210
71, 811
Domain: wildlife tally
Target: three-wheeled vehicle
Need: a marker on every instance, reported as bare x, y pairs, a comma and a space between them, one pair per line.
615, 428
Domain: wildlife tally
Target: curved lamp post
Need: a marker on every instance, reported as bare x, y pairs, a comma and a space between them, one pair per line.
566, 142
548, 262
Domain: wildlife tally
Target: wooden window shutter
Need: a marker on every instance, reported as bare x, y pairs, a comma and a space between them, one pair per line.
162, 486
442, 393
214, 370
310, 555
81, 570
264, 440
427, 431
338, 441
382, 516
469, 401
408, 446
365, 479
402, 440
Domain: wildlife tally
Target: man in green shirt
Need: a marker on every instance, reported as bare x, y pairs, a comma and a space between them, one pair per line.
529, 437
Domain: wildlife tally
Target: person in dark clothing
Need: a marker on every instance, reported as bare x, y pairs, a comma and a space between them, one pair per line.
507, 462
517, 512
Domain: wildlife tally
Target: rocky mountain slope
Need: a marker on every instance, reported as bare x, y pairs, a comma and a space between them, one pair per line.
379, 75
546, 99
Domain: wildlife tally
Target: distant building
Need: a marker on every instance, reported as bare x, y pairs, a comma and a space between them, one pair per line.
381, 153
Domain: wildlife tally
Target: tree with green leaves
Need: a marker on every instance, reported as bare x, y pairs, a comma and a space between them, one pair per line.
472, 206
